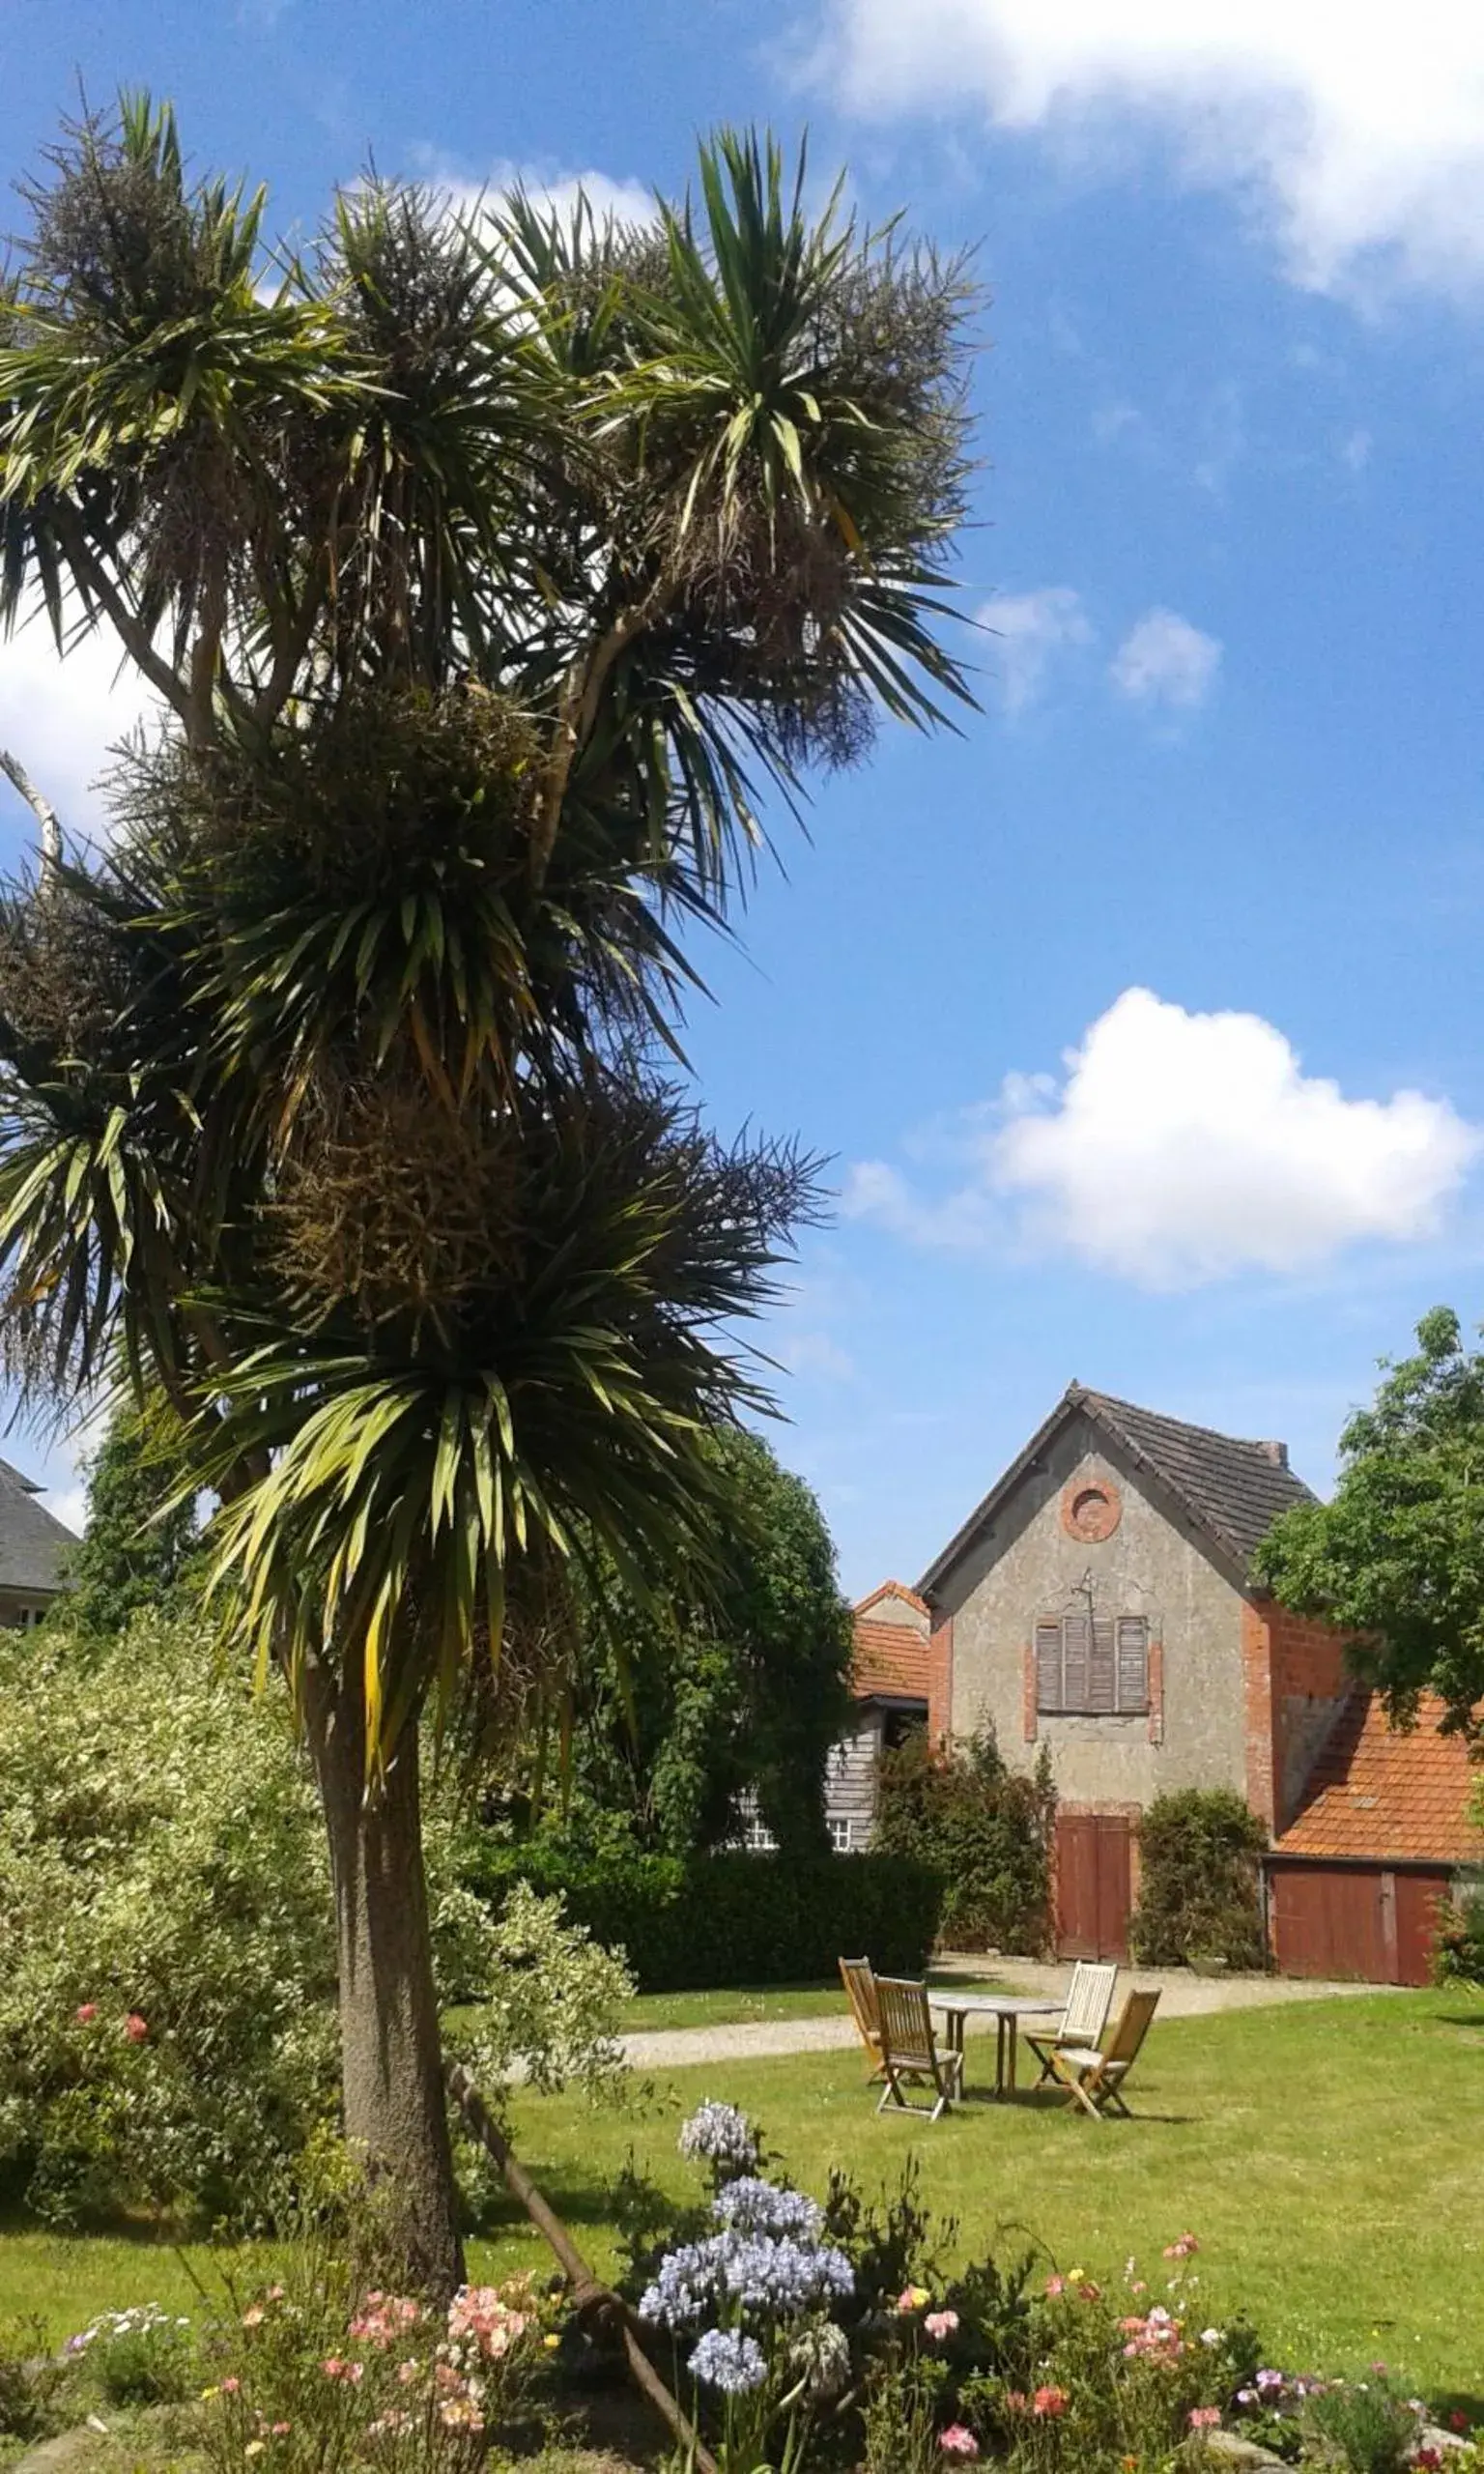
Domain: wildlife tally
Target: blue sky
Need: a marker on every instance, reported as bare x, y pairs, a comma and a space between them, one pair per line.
1230, 540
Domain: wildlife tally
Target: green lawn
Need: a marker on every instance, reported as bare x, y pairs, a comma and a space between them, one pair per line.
732, 2009
1325, 2154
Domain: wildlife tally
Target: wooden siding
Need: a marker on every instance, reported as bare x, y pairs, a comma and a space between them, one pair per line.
1366, 1923
850, 1780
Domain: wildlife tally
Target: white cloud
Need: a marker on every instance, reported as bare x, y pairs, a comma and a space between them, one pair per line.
1032, 629
1163, 660
70, 1508
62, 717
1182, 1148
1358, 127
552, 188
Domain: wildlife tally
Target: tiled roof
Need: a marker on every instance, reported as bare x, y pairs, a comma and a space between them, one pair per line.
34, 1544
1377, 1792
892, 1589
892, 1661
1230, 1489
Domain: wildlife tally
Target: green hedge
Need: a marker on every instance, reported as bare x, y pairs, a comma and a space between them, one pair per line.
733, 1920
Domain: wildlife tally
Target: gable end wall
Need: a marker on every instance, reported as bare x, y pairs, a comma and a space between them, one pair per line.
1030, 1569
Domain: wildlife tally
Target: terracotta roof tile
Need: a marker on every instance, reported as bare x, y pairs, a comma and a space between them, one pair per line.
890, 1658
1375, 1792
892, 1589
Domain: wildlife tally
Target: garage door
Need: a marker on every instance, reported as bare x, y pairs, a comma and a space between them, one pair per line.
1371, 1924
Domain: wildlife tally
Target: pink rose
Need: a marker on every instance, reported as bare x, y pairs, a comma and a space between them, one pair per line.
956, 2441
1056, 2286
135, 2027
1204, 2418
940, 2323
1050, 2401
230, 2386
85, 2013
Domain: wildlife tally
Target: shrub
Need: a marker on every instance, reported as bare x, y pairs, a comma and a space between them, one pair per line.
985, 1828
30, 2380
1200, 1894
167, 2031
728, 1920
139, 2357
318, 2371
1458, 1942
165, 1953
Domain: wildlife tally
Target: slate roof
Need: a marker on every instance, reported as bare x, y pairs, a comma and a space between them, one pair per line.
1235, 1489
33, 1542
1231, 1489
1377, 1793
892, 1661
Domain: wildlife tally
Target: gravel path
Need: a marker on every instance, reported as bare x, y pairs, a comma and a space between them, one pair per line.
1181, 1996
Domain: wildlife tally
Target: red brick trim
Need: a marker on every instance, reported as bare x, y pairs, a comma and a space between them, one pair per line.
1091, 1509
1258, 1714
940, 1678
1157, 1692
1029, 1691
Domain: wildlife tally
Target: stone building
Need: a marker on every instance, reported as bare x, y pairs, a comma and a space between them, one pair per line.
1098, 1601
34, 1548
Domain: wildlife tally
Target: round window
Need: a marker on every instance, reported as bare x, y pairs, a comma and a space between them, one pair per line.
1090, 1509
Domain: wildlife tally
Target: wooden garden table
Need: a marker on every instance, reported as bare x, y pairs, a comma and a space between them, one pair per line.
1008, 2009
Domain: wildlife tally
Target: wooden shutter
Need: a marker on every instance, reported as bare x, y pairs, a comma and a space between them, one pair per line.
1048, 1666
1132, 1663
1076, 1643
1101, 1687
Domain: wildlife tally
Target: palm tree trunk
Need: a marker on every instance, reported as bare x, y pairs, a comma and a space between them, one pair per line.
391, 2069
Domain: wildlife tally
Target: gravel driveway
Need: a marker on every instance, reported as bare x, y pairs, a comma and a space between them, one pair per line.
1183, 1995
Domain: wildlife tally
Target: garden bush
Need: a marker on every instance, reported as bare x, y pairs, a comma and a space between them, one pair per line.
1200, 1882
985, 1828
167, 2030
1458, 1942
732, 1919
166, 1966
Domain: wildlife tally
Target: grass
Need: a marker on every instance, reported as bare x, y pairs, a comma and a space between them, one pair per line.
732, 2009
1324, 2152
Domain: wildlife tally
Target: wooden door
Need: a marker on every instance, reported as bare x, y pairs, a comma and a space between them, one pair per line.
1417, 1924
1094, 1873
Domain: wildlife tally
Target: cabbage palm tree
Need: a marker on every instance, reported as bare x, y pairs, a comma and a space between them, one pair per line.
485, 567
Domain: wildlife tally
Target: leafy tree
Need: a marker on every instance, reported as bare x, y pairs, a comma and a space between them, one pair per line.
683, 1705
141, 1541
1396, 1557
485, 568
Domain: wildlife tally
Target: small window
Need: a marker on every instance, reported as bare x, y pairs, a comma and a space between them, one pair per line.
1093, 1666
842, 1828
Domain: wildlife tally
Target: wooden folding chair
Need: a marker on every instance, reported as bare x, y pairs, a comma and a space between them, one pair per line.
1088, 1999
909, 2048
1095, 2080
861, 1992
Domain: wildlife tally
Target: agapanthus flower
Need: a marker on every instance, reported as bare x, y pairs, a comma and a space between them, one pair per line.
822, 2353
760, 2271
718, 2134
727, 2359
755, 2207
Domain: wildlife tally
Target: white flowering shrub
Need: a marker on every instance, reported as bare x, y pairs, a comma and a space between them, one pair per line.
166, 1966
552, 2001
167, 2027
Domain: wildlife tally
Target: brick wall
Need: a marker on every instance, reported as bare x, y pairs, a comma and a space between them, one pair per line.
1296, 1683
940, 1678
